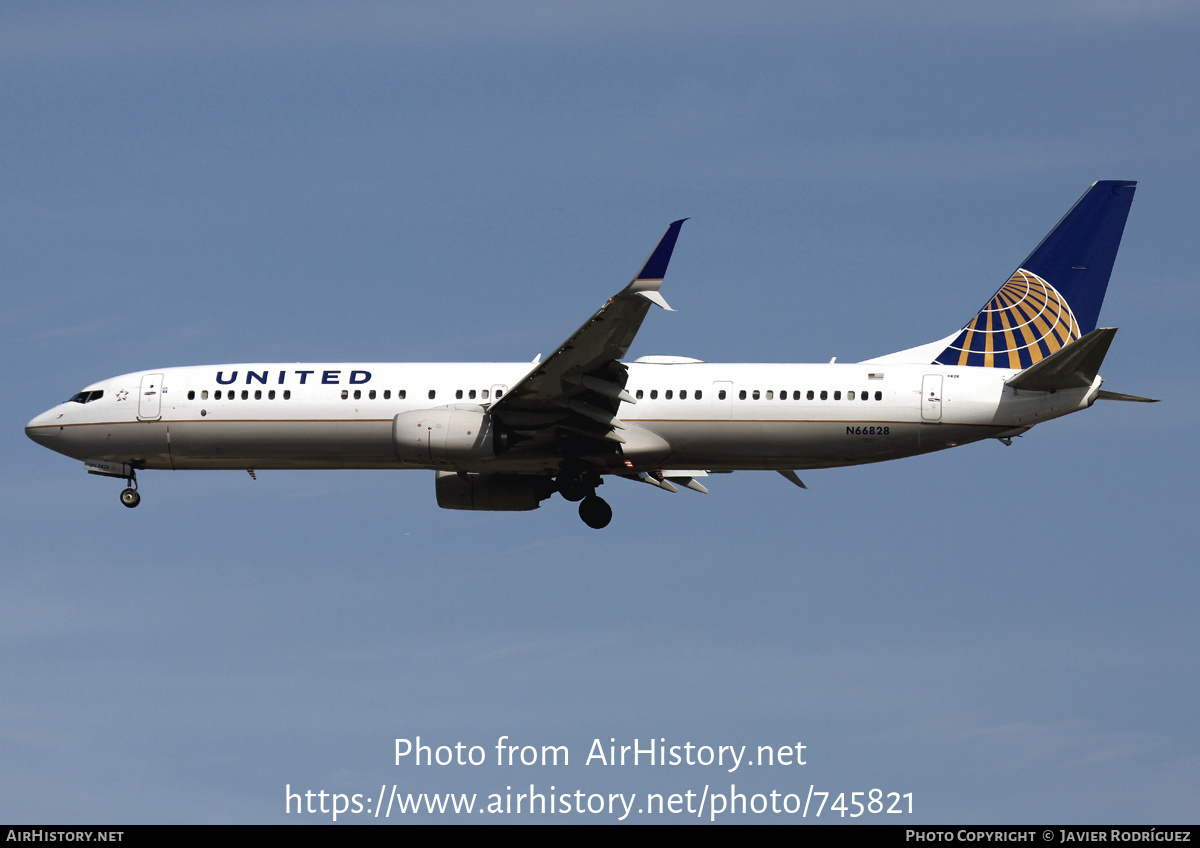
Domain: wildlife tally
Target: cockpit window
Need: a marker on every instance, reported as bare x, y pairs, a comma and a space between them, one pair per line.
87, 397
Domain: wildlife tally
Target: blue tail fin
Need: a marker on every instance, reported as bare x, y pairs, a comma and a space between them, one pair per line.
1054, 298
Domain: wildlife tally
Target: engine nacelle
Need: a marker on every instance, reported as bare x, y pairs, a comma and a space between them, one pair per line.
443, 436
493, 492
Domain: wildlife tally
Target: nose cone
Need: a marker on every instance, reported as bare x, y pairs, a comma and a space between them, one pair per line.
45, 429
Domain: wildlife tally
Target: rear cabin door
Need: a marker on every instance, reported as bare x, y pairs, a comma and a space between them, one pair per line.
931, 399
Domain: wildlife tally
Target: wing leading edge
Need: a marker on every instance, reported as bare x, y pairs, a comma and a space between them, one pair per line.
570, 400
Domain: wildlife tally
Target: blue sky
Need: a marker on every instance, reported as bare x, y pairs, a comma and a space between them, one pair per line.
1007, 633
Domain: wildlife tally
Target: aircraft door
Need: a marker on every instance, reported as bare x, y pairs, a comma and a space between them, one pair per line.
150, 398
931, 399
498, 391
722, 399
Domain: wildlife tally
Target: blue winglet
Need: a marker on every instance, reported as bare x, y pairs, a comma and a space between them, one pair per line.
656, 266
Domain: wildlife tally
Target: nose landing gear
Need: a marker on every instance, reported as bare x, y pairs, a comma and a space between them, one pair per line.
129, 495
126, 471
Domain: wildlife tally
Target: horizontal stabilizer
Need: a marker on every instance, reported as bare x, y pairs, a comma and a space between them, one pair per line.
1072, 367
1118, 396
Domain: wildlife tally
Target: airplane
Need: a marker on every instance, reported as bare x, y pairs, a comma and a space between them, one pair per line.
507, 436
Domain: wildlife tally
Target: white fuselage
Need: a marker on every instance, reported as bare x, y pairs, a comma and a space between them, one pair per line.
720, 417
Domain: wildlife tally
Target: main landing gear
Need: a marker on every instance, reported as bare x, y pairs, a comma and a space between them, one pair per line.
595, 512
576, 484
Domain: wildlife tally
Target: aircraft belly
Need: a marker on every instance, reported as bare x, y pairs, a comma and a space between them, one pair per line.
282, 444
144, 442
738, 445
233, 444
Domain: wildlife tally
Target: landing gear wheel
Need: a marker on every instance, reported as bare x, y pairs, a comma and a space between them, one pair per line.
575, 491
577, 485
595, 512
130, 498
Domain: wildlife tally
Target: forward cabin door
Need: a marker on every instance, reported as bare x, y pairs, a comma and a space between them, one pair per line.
150, 398
931, 399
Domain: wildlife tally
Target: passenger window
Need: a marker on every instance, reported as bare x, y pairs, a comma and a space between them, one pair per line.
217, 394
699, 394
458, 395
742, 394
204, 394
755, 394
258, 394
879, 396
387, 394
837, 395
287, 394
770, 394
432, 394
863, 395
639, 394
191, 395
668, 395
810, 394
683, 394
824, 395
345, 393
402, 394
271, 395
849, 395
371, 394
654, 394
499, 393
483, 394
721, 395
471, 394
358, 394
245, 394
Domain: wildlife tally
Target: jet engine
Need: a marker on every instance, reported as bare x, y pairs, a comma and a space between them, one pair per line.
443, 436
493, 492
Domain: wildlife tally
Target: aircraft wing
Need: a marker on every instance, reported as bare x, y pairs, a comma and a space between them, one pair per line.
578, 388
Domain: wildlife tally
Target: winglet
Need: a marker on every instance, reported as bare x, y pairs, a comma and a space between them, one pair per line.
656, 266
648, 280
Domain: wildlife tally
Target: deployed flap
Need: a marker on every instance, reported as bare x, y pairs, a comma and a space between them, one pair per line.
584, 375
1072, 367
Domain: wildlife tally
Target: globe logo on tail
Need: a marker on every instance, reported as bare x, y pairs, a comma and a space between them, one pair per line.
1024, 323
